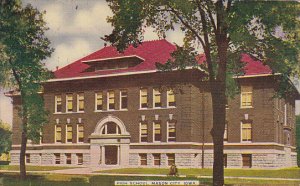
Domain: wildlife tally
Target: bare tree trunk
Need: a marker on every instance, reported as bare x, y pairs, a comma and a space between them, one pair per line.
23, 146
217, 132
218, 93
24, 116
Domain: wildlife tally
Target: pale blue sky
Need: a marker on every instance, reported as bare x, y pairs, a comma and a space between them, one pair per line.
75, 30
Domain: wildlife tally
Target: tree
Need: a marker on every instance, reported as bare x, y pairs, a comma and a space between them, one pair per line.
5, 140
224, 29
23, 46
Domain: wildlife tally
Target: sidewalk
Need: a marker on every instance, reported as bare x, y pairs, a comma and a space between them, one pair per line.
90, 171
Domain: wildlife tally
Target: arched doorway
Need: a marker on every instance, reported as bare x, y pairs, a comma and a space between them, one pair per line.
110, 143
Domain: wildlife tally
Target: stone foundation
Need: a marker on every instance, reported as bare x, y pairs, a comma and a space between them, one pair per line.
189, 160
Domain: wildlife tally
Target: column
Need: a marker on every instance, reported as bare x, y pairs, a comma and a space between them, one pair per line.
102, 155
119, 155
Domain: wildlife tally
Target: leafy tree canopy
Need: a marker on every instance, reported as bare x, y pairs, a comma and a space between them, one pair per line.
267, 30
5, 140
23, 45
224, 29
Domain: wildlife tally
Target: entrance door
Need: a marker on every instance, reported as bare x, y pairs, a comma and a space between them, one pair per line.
111, 155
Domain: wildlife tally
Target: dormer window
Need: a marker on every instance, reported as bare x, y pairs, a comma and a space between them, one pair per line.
115, 63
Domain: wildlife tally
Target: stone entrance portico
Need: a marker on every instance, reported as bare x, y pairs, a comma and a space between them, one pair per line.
109, 143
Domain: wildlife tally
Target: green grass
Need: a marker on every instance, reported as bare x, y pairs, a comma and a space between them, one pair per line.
32, 168
12, 179
279, 173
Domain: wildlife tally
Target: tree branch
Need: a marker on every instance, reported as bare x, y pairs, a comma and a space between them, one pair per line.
212, 20
188, 26
206, 40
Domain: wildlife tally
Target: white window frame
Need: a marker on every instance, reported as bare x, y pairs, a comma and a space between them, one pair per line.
168, 126
169, 98
108, 99
66, 158
285, 114
67, 103
41, 136
153, 95
120, 98
67, 133
156, 159
78, 102
55, 136
225, 129
241, 97
154, 133
55, 104
171, 159
77, 133
242, 133
140, 159
118, 132
77, 158
96, 98
141, 98
140, 133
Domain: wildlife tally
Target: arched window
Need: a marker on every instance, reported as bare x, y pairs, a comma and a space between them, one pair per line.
110, 128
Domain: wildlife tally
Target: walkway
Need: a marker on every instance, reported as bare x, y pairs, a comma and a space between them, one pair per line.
91, 171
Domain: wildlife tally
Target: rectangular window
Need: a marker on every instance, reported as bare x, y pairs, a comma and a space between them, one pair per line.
171, 132
80, 102
143, 159
246, 96
171, 159
57, 158
157, 131
144, 132
27, 158
247, 160
157, 98
156, 158
225, 160
226, 132
123, 99
58, 134
68, 158
144, 98
58, 104
171, 98
79, 158
80, 133
69, 135
99, 101
285, 114
246, 131
111, 100
69, 102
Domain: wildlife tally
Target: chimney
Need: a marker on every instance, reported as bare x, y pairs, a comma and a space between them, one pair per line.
57, 67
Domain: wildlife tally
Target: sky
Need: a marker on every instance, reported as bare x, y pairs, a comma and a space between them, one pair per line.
75, 29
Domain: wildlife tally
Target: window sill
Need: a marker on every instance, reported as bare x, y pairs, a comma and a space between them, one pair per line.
110, 110
246, 107
60, 113
246, 142
171, 106
157, 108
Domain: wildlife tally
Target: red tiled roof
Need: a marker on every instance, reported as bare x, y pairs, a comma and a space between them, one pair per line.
151, 52
254, 67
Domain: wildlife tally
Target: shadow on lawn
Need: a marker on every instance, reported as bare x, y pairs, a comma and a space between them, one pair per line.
39, 180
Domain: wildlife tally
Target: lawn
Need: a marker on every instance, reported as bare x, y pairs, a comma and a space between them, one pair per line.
32, 168
279, 173
12, 179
